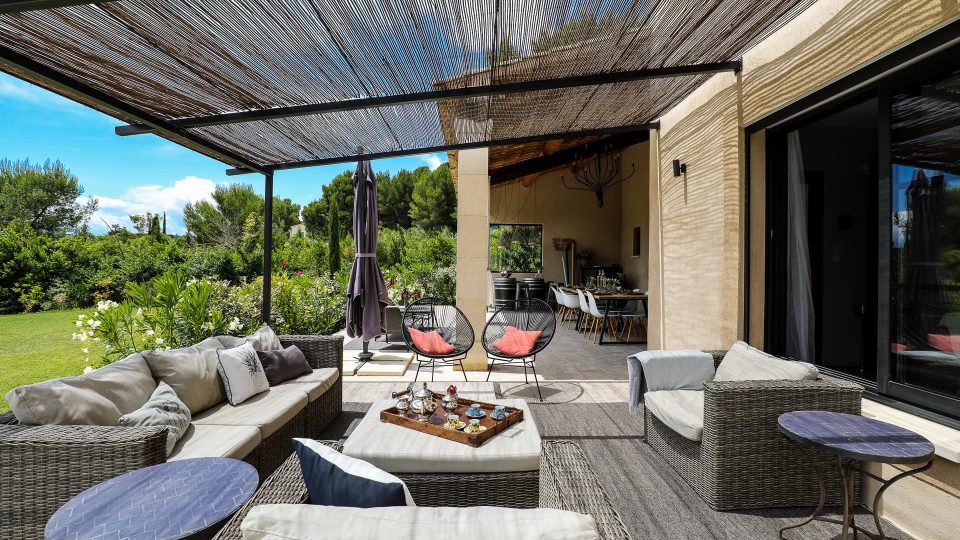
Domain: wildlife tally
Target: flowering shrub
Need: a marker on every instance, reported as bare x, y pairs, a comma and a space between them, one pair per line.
172, 311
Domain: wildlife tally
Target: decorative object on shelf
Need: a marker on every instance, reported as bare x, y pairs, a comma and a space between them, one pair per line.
450, 400
597, 172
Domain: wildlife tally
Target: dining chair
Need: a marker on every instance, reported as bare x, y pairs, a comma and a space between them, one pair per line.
598, 317
584, 315
636, 316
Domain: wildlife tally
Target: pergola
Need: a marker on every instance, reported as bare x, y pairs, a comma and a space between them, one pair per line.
268, 85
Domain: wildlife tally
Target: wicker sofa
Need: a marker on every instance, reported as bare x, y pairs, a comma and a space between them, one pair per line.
742, 460
43, 466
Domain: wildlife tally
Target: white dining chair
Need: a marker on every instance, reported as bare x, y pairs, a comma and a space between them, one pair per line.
598, 317
636, 317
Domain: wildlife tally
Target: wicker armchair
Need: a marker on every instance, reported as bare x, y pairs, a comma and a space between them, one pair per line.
743, 461
528, 314
42, 467
427, 314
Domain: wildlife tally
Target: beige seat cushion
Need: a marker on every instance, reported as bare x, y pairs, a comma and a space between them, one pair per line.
680, 410
216, 441
191, 372
302, 522
313, 384
100, 397
745, 363
397, 449
268, 411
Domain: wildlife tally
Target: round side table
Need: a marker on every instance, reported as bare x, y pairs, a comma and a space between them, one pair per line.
853, 439
176, 499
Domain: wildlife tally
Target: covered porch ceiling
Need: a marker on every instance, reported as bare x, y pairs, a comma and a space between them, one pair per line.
266, 85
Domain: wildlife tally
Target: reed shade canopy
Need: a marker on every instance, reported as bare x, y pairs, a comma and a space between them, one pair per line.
265, 85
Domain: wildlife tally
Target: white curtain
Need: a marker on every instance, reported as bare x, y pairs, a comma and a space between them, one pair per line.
800, 315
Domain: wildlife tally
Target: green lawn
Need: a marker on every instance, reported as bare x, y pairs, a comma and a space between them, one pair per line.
37, 346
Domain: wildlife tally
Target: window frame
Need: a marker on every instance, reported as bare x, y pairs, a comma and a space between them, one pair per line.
489, 254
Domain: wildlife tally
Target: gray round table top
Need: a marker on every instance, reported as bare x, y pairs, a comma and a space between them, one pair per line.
856, 437
166, 501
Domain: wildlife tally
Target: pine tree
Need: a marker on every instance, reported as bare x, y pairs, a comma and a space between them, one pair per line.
333, 237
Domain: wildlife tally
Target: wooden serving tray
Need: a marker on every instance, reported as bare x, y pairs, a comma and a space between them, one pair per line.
434, 426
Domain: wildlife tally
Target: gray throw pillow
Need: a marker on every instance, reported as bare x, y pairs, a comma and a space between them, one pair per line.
191, 372
163, 408
242, 373
284, 364
264, 339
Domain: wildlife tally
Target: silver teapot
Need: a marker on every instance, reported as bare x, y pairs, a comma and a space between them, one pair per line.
450, 401
423, 403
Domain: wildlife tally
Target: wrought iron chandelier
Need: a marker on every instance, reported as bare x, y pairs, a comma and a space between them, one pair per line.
597, 172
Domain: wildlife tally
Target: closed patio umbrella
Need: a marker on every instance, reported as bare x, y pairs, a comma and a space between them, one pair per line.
366, 289
923, 293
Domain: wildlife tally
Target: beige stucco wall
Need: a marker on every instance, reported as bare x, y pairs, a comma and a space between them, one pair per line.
564, 213
635, 212
696, 280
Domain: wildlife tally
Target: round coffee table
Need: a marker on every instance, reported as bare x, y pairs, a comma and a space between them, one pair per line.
171, 500
854, 438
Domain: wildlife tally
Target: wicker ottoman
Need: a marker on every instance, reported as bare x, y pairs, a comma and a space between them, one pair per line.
505, 471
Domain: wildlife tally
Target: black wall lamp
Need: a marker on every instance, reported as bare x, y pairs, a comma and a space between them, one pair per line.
679, 168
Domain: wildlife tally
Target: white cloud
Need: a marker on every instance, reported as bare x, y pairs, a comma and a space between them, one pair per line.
154, 199
433, 160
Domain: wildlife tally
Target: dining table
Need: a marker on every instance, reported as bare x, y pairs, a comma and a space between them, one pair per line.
608, 297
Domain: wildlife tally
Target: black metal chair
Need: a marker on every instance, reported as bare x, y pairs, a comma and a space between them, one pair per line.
528, 314
427, 314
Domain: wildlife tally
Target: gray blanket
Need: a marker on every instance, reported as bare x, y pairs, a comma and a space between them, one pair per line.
650, 371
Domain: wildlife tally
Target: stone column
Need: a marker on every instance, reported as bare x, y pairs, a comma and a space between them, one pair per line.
473, 230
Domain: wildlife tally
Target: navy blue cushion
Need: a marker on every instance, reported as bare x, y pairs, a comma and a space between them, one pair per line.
333, 479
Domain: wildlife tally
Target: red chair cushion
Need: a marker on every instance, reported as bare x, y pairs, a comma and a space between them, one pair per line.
945, 343
516, 342
430, 342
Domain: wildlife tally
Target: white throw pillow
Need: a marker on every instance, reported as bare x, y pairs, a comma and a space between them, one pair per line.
745, 363
242, 373
310, 522
163, 408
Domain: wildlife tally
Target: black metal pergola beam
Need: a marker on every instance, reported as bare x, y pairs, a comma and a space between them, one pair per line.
19, 6
440, 95
19, 66
450, 147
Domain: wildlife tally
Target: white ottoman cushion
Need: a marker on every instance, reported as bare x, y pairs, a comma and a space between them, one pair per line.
402, 450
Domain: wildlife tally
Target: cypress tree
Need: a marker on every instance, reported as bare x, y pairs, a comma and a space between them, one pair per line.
333, 237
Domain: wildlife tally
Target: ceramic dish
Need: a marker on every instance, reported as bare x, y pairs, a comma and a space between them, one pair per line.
455, 427
481, 414
474, 429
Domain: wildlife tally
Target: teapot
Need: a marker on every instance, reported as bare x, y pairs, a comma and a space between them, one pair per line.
423, 403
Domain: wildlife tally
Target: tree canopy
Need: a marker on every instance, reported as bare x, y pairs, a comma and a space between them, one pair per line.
434, 200
46, 196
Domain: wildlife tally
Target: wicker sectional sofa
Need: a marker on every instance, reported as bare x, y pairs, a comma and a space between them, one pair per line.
43, 466
742, 460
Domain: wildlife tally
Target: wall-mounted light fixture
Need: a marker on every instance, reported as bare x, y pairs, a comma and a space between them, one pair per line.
679, 168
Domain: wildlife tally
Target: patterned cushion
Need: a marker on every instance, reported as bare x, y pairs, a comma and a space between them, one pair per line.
516, 342
242, 373
430, 342
333, 479
163, 408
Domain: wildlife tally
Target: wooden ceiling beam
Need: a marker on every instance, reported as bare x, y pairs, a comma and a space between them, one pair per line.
536, 166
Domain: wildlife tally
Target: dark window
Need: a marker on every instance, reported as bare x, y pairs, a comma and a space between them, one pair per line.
636, 242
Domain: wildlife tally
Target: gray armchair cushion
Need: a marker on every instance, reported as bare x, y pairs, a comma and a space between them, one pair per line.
191, 372
680, 410
165, 409
745, 363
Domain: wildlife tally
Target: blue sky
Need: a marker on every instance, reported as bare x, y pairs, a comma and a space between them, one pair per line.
132, 175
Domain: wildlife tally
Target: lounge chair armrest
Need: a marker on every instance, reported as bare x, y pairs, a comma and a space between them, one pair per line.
737, 412
321, 351
42, 467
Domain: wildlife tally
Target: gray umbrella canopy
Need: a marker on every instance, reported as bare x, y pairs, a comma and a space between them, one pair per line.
366, 289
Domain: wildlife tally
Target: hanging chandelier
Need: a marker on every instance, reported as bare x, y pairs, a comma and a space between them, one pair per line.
597, 172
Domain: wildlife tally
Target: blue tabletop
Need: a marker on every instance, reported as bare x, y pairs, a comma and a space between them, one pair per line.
166, 501
856, 437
